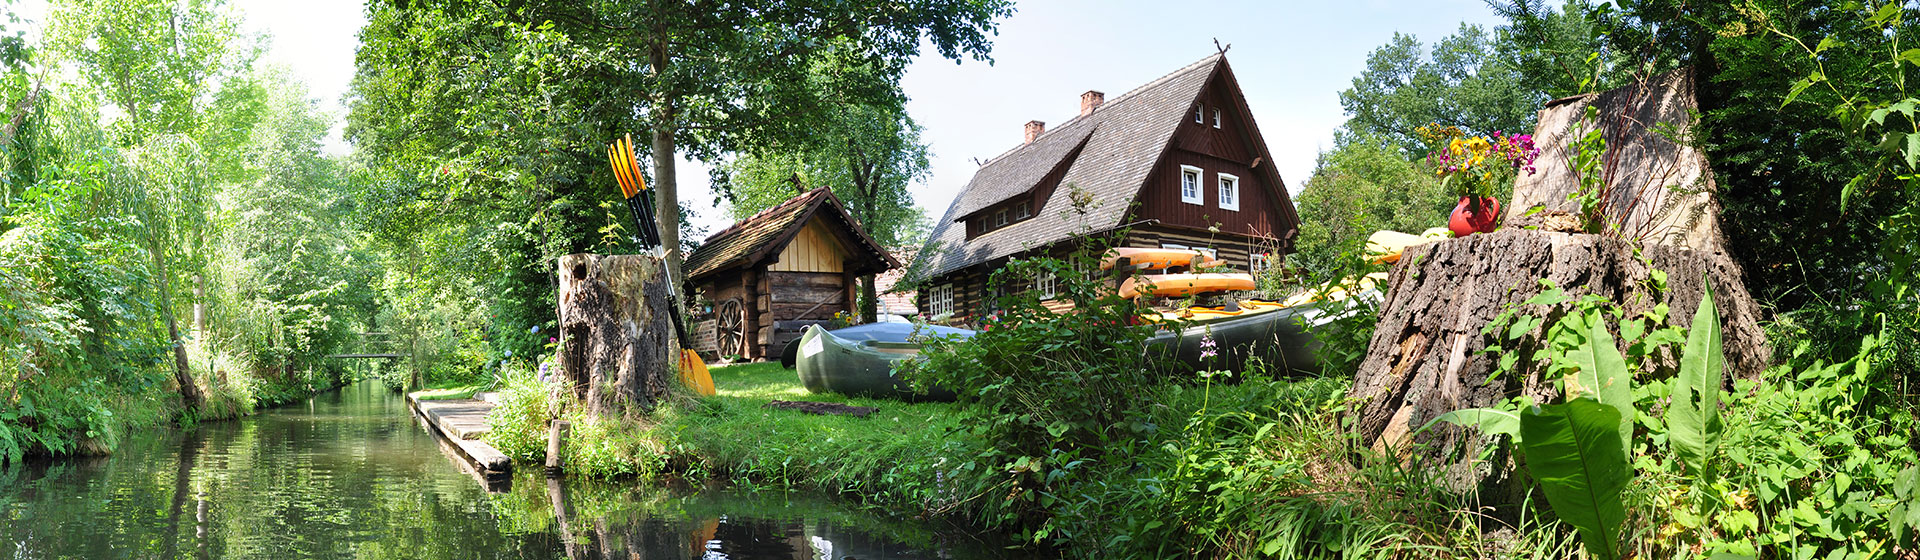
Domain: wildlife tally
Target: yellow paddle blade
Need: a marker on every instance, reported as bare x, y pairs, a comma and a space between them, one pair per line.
693, 372
633, 163
614, 162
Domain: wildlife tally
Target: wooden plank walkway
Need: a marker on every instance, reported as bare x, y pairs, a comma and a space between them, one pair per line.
461, 423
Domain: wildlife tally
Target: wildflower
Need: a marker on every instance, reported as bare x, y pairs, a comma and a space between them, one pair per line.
509, 353
534, 330
552, 340
1207, 346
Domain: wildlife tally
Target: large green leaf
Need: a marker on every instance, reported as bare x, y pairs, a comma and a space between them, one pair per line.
1574, 450
1492, 421
1603, 374
1693, 419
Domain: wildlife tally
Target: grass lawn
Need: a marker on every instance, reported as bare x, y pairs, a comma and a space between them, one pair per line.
733, 435
448, 392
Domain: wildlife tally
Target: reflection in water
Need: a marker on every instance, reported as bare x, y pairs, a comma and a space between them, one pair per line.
349, 475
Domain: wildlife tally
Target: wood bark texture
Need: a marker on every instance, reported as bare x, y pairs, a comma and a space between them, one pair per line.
617, 340
1427, 356
1658, 187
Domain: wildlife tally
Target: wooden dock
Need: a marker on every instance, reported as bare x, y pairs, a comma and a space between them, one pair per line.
460, 423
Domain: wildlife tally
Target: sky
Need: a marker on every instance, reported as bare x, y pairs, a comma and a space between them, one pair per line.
1292, 58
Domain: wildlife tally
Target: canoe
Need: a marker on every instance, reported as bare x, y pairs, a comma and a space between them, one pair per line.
863, 368
1176, 285
1147, 258
1279, 336
883, 332
1385, 246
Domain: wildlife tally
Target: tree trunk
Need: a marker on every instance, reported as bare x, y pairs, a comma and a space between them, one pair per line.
666, 186
182, 374
869, 300
1427, 356
616, 344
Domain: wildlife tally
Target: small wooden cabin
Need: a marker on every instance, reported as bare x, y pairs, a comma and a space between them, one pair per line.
787, 267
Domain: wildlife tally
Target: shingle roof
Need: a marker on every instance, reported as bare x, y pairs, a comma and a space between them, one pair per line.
1123, 139
752, 240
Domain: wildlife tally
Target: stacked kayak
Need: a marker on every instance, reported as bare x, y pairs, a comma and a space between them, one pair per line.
858, 361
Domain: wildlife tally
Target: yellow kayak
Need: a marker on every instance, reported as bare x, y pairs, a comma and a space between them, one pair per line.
1150, 258
1175, 285
1205, 314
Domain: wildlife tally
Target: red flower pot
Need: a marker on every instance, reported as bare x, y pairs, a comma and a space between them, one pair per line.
1474, 215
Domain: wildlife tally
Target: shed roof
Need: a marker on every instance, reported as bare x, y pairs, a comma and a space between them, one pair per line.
752, 241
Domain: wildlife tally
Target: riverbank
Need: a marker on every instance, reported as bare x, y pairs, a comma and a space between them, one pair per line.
1276, 441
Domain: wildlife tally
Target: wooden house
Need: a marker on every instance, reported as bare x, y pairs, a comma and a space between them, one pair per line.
771, 275
1176, 163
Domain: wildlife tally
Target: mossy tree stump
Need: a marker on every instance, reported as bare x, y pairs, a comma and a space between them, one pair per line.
1427, 356
616, 345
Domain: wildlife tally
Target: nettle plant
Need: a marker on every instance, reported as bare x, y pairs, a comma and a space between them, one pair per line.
1788, 464
1054, 392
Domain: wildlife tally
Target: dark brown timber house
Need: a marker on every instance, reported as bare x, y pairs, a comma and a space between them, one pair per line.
1176, 163
771, 275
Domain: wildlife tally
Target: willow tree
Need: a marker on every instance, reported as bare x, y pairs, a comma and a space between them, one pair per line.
158, 63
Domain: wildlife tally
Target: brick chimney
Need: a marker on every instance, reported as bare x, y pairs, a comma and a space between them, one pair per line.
1091, 100
1034, 128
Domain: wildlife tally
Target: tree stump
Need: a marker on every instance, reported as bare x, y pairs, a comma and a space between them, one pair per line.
1427, 355
616, 344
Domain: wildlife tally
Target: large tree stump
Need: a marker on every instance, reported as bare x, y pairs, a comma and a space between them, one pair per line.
616, 344
1428, 357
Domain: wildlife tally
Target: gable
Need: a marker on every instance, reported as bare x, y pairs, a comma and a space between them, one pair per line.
1123, 144
1218, 142
814, 249
1123, 139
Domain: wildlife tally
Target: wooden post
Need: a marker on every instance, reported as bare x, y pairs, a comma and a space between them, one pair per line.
556, 439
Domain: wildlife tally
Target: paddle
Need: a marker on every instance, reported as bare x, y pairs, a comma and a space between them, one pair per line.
626, 171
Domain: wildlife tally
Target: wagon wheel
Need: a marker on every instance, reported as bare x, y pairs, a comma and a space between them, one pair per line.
730, 328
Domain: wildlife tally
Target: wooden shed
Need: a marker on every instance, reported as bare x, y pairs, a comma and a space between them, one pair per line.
790, 266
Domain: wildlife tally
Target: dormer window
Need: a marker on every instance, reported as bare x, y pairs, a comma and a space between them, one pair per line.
1199, 114
1190, 185
1229, 192
1216, 117
1022, 211
1000, 218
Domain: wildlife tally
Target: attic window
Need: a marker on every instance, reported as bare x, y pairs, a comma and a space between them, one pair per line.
1199, 113
1190, 185
1000, 218
1021, 211
1216, 117
1229, 192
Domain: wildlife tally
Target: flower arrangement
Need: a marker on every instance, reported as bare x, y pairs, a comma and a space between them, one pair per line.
1469, 166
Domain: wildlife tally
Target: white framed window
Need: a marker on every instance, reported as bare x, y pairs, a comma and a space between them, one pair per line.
1047, 286
1229, 192
1022, 211
1190, 192
941, 302
1086, 270
1257, 263
1199, 113
1000, 218
1216, 117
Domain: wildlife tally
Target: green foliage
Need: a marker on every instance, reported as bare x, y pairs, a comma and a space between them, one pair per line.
1468, 82
1573, 449
1360, 187
1054, 392
1693, 419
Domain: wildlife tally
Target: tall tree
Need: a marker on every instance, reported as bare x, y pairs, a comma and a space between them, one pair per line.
868, 154
493, 117
1466, 82
156, 61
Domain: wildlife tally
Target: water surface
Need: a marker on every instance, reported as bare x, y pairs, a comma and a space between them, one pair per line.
350, 474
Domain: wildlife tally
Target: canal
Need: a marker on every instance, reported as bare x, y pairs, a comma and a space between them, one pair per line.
350, 474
